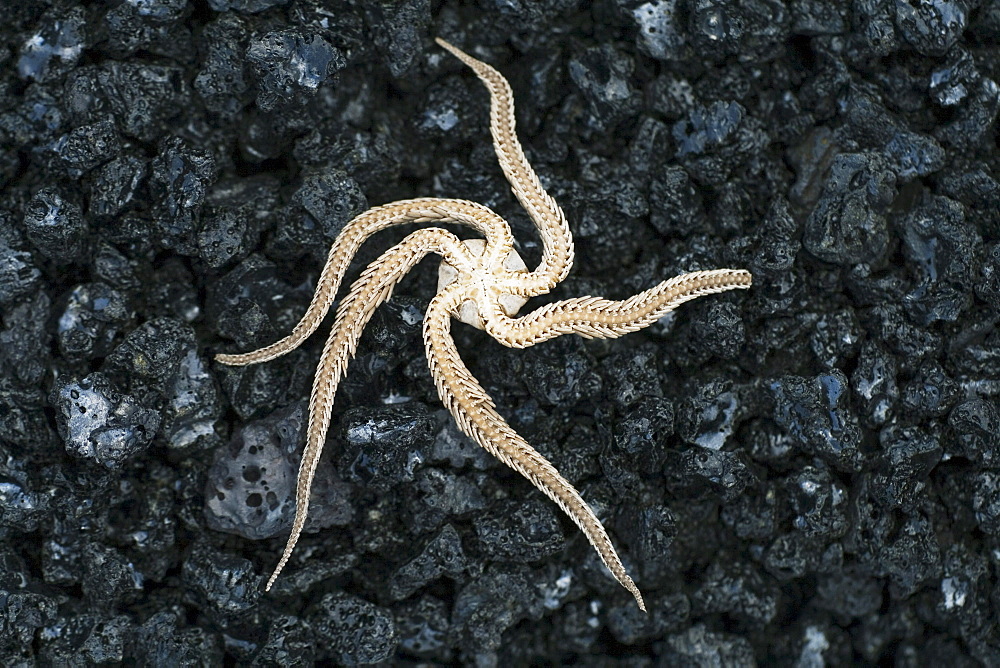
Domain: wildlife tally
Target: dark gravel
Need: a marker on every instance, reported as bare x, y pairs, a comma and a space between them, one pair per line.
806, 473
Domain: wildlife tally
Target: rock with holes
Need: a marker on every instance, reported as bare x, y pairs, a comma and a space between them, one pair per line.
251, 486
354, 631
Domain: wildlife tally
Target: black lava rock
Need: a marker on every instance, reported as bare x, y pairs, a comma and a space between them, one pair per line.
602, 74
382, 448
815, 413
55, 46
712, 141
94, 638
94, 315
933, 28
179, 180
88, 146
699, 472
637, 444
159, 640
26, 614
354, 631
901, 477
286, 642
18, 274
441, 495
396, 29
24, 341
116, 185
836, 338
226, 586
976, 427
101, 424
423, 628
931, 392
944, 249
848, 225
740, 593
676, 205
324, 203
107, 577
155, 27
442, 555
222, 82
818, 503
698, 644
55, 225
245, 6
240, 308
290, 62
142, 97
24, 505
753, 29
874, 384
520, 532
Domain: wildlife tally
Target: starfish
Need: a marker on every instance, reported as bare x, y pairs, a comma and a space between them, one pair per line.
484, 283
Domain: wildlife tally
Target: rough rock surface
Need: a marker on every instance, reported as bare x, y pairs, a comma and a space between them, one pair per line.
805, 473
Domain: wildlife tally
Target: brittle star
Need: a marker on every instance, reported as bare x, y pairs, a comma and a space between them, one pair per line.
483, 282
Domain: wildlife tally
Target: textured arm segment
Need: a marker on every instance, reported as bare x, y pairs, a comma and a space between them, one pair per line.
425, 210
373, 288
557, 241
597, 318
476, 416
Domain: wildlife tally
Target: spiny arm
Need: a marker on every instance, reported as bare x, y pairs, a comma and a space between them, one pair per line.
557, 240
597, 318
477, 417
424, 210
370, 290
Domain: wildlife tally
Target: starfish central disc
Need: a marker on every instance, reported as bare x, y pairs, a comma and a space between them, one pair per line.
468, 311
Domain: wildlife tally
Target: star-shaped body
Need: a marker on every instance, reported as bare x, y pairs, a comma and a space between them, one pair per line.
484, 283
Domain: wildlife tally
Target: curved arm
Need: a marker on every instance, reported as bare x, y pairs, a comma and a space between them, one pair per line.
370, 290
597, 318
549, 219
482, 219
477, 417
